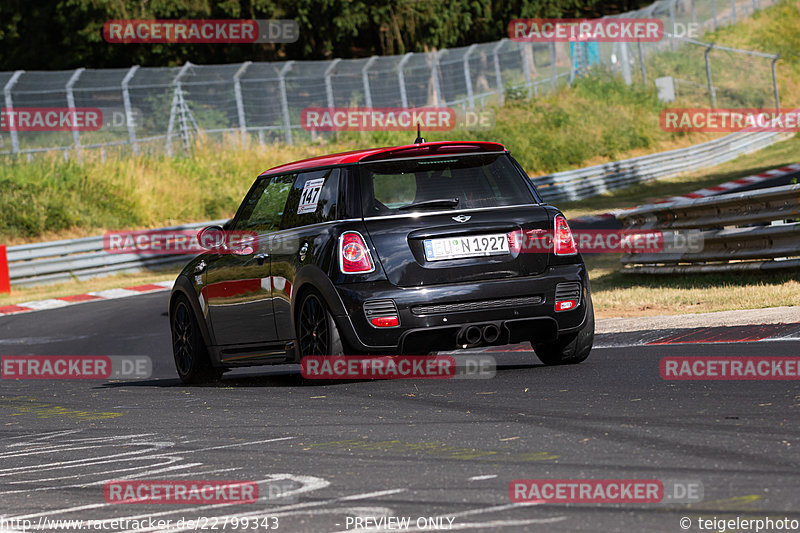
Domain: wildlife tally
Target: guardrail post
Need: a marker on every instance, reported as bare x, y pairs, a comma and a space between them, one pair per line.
328, 83
401, 79
76, 137
10, 106
775, 83
237, 92
365, 81
287, 125
711, 94
5, 280
497, 74
468, 76
126, 102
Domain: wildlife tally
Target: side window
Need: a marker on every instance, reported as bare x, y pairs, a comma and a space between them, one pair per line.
312, 199
264, 208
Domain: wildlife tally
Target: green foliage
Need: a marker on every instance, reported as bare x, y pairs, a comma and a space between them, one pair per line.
64, 34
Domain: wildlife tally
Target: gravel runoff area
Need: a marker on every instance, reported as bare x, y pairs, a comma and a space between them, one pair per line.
770, 315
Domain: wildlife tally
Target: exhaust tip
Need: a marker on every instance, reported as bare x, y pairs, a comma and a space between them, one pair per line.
472, 335
491, 333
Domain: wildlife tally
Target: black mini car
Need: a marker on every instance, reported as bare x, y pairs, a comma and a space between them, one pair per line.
406, 250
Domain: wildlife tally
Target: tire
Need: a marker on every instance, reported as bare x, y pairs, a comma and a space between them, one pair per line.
573, 348
317, 333
188, 348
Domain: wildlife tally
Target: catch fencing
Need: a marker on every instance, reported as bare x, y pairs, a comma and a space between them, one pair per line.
157, 110
756, 230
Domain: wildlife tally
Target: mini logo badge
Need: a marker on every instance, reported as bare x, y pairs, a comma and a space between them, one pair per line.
462, 218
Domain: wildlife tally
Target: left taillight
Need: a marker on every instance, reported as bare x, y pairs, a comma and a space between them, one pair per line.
354, 256
564, 242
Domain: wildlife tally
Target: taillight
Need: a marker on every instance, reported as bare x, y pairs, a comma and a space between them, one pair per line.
564, 243
354, 256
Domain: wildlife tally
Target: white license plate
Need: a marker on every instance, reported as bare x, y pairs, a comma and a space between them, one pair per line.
471, 246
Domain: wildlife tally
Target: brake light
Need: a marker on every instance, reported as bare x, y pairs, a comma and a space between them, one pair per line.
385, 321
354, 256
564, 242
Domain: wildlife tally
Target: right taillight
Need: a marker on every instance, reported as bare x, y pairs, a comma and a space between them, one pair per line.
564, 242
354, 256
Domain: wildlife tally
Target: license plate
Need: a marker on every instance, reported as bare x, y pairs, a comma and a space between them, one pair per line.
471, 246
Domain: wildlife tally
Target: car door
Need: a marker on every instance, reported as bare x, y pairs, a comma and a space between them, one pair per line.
305, 238
238, 286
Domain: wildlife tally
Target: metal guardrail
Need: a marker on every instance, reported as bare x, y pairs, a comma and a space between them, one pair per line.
756, 230
591, 181
55, 261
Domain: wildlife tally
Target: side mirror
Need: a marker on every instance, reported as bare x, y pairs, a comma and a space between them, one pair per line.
211, 238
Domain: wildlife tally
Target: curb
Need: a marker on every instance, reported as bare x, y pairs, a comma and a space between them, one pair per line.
701, 193
65, 301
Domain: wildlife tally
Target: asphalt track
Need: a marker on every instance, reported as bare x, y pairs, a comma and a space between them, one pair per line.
401, 448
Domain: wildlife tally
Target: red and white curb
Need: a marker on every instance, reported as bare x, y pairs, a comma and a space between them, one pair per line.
702, 193
64, 301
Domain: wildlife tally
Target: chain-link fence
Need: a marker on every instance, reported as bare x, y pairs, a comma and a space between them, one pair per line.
156, 110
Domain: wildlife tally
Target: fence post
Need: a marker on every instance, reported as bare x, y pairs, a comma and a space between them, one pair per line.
524, 48
714, 13
287, 125
708, 77
497, 74
126, 102
401, 79
328, 84
5, 281
468, 76
237, 92
438, 98
733, 11
694, 13
554, 78
76, 137
641, 62
775, 83
10, 106
365, 80
672, 44
176, 81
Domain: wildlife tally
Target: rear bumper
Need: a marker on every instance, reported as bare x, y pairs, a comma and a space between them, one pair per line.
521, 308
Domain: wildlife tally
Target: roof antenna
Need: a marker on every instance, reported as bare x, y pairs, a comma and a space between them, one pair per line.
419, 139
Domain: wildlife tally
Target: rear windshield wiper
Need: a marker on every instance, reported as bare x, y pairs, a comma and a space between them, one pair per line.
443, 202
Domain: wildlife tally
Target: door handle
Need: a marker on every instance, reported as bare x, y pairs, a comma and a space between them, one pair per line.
260, 258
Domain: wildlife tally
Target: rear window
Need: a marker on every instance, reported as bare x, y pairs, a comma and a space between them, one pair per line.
460, 182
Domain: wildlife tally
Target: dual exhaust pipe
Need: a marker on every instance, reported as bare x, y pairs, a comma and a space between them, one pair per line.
474, 335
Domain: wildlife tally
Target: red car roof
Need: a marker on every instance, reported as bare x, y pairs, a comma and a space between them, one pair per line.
394, 152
